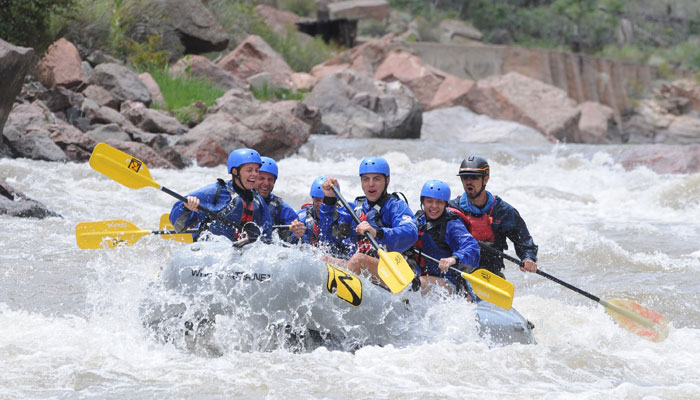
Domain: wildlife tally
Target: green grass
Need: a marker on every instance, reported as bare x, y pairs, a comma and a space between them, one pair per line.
267, 93
182, 91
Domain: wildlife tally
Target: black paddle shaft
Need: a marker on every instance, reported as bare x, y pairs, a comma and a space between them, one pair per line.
355, 217
540, 272
211, 213
460, 267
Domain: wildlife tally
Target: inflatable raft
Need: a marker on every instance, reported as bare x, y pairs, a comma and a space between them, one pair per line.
263, 286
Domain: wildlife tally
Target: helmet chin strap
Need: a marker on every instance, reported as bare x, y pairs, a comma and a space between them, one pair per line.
483, 187
237, 177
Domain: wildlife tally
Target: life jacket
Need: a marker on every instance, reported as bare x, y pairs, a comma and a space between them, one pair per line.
246, 215
339, 232
311, 222
437, 229
363, 244
275, 208
479, 225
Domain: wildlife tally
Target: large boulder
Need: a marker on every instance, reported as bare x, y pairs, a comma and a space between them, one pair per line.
202, 67
121, 82
280, 21
27, 133
459, 124
451, 92
61, 66
355, 105
598, 124
150, 120
239, 120
14, 63
185, 26
517, 98
254, 56
421, 78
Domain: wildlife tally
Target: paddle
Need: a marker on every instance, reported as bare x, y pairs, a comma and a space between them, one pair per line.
133, 173
639, 320
487, 285
393, 269
165, 223
96, 235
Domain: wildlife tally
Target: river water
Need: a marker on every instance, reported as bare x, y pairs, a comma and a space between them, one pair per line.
70, 326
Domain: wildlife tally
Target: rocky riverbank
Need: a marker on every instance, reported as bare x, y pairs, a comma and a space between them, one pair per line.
59, 107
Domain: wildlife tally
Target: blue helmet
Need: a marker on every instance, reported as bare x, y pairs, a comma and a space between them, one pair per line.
243, 156
436, 189
374, 165
269, 165
316, 190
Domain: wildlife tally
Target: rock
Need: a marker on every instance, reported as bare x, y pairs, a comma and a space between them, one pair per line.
122, 82
661, 158
459, 124
111, 133
278, 20
451, 92
597, 124
100, 114
238, 120
76, 144
151, 120
60, 98
365, 58
354, 105
199, 66
61, 66
14, 63
302, 81
101, 96
153, 88
684, 129
161, 144
456, 31
16, 204
359, 9
422, 79
515, 97
34, 144
254, 56
143, 152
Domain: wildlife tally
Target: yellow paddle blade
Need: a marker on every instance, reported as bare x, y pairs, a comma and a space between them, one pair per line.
165, 224
123, 168
107, 234
491, 287
394, 271
641, 321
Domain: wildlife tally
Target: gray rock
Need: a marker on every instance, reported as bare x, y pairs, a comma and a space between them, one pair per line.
122, 82
16, 204
14, 63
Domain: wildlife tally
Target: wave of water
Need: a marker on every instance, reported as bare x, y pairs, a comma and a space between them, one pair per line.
70, 326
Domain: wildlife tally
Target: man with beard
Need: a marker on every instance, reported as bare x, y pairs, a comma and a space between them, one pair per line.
490, 219
281, 212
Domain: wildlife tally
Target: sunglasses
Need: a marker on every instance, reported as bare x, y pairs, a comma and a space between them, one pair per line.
471, 177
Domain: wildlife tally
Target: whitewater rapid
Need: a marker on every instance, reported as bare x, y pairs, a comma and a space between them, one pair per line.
70, 326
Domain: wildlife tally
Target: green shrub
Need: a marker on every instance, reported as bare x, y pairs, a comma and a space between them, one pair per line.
302, 8
147, 56
28, 22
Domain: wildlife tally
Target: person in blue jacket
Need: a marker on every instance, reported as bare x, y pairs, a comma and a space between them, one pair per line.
335, 236
442, 235
235, 200
490, 219
280, 212
385, 216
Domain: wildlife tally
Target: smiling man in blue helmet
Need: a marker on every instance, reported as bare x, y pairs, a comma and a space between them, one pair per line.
442, 235
490, 219
385, 216
281, 212
335, 236
235, 200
